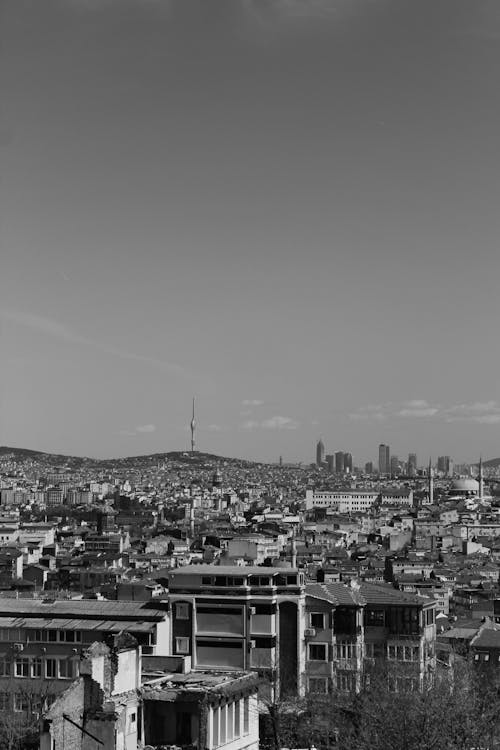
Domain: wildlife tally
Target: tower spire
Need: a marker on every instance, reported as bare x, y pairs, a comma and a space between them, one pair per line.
481, 478
193, 428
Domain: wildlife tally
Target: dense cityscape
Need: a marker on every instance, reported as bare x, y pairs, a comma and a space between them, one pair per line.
249, 401
255, 587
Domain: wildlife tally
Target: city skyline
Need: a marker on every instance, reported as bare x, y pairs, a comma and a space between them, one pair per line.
287, 209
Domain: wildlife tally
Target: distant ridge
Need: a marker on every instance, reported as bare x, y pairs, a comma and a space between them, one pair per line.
22, 454
492, 463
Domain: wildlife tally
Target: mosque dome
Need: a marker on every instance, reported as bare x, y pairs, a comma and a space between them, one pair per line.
465, 485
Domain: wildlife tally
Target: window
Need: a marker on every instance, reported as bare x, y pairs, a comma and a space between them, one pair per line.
318, 685
4, 701
36, 667
215, 732
182, 611
230, 721
246, 715
21, 702
345, 681
132, 720
374, 617
22, 667
370, 650
65, 670
206, 580
222, 726
391, 652
4, 668
317, 651
345, 650
182, 645
317, 620
51, 668
237, 712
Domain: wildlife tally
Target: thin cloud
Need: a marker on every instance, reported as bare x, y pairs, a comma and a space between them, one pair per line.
145, 428
480, 412
252, 402
63, 332
414, 408
214, 428
280, 423
272, 423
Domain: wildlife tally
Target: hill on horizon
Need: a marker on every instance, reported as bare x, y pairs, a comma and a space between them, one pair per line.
182, 456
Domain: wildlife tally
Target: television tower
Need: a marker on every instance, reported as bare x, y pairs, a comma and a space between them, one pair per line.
193, 428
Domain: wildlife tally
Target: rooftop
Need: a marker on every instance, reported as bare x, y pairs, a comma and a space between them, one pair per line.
87, 609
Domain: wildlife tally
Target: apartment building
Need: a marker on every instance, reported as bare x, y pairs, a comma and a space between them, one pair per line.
351, 631
40, 641
241, 618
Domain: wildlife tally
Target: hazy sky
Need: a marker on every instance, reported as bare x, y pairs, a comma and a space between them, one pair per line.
287, 208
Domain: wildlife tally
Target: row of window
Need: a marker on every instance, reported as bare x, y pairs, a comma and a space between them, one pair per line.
347, 650
346, 682
484, 656
230, 722
403, 653
404, 618
36, 667
21, 702
23, 635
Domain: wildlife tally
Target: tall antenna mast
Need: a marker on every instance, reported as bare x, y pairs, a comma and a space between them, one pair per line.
193, 427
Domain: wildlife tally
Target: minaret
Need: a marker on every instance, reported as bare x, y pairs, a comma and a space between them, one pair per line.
193, 427
430, 481
481, 479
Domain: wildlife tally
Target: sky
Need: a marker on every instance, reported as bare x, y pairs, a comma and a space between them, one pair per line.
286, 208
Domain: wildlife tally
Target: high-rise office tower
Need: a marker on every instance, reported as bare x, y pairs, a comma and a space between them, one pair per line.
320, 453
412, 465
348, 463
384, 460
369, 467
339, 462
394, 466
330, 462
445, 465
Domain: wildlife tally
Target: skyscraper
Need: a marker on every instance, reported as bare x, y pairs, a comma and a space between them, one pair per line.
348, 463
384, 459
330, 462
320, 453
394, 466
339, 462
412, 465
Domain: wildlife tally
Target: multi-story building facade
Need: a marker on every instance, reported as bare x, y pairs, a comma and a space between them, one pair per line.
351, 632
339, 462
320, 453
343, 501
384, 459
238, 617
